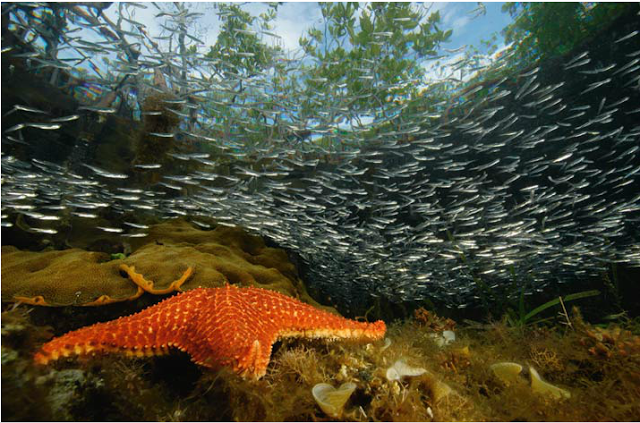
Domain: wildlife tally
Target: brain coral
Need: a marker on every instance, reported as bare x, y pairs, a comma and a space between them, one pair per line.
78, 277
213, 265
66, 277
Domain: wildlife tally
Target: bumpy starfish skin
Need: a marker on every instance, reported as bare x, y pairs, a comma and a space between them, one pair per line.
217, 327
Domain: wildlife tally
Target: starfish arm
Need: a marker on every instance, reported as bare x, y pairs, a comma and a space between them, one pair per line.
151, 332
256, 358
294, 318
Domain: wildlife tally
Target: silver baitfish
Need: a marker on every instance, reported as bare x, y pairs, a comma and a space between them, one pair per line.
532, 179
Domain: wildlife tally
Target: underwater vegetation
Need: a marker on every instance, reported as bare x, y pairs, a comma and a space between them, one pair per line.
406, 377
387, 187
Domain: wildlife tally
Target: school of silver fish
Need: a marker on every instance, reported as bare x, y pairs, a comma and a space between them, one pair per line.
537, 183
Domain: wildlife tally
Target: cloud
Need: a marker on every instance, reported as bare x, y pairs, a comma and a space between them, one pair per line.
436, 71
293, 21
449, 67
448, 12
452, 15
460, 23
205, 28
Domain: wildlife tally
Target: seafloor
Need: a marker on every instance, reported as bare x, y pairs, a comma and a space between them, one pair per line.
418, 372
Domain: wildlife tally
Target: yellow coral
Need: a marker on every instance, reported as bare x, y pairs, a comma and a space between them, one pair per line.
179, 257
68, 277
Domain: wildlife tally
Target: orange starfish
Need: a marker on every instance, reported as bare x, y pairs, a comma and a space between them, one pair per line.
217, 327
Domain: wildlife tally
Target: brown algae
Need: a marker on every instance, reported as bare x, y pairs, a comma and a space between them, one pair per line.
601, 388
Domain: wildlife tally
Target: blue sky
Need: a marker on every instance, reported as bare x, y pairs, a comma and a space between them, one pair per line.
468, 30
